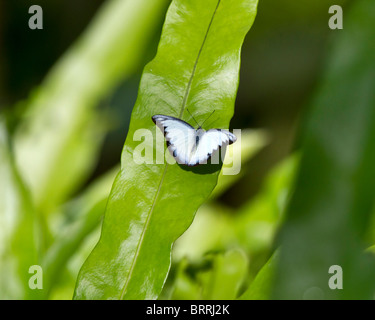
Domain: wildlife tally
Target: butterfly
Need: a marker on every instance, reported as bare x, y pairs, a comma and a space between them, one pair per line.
190, 146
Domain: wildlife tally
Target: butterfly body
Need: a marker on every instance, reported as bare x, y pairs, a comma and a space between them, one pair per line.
190, 146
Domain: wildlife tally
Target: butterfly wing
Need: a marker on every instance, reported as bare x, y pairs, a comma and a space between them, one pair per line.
209, 142
189, 146
180, 137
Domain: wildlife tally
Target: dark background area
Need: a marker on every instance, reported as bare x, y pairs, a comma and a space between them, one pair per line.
282, 59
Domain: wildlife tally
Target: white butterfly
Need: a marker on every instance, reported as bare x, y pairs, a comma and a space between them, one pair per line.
190, 146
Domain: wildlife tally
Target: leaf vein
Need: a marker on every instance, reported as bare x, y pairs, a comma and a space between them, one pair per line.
184, 101
196, 63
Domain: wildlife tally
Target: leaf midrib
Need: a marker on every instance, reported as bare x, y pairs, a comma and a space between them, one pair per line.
184, 101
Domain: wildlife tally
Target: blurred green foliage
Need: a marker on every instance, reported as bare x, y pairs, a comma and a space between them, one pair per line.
17, 227
330, 211
309, 191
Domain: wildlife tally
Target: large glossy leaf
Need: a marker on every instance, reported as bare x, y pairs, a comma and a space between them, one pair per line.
330, 210
57, 142
151, 205
18, 246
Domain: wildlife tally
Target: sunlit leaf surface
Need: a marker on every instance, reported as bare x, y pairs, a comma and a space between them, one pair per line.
151, 205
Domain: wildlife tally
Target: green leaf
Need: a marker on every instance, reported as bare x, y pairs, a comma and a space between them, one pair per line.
214, 226
211, 230
151, 205
261, 287
85, 214
18, 247
57, 144
330, 210
216, 276
257, 220
185, 286
227, 277
64, 284
252, 227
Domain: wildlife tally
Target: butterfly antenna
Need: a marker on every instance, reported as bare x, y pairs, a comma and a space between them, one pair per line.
208, 117
193, 118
